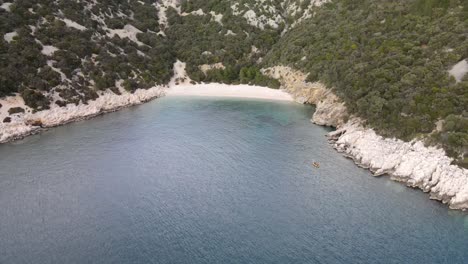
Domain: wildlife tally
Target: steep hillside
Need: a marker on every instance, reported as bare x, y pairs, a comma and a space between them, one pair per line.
70, 49
390, 63
400, 65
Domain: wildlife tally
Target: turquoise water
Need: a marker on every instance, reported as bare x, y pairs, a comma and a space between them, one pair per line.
205, 180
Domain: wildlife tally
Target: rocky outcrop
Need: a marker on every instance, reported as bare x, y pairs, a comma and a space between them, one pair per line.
208, 67
330, 110
427, 168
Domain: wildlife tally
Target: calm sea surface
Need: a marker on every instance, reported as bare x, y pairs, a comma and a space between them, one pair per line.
207, 180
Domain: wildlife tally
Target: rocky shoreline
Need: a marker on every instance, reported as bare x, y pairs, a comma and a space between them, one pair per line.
25, 124
427, 168
412, 163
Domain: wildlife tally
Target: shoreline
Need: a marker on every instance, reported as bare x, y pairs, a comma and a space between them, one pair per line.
412, 163
22, 124
427, 168
26, 124
226, 90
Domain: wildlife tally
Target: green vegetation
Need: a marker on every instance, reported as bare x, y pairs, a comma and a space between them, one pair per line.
233, 42
387, 60
89, 59
237, 75
15, 110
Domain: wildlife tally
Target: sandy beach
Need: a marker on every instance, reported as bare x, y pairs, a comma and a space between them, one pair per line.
224, 90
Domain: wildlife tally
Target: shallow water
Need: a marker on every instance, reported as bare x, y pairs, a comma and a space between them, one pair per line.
208, 180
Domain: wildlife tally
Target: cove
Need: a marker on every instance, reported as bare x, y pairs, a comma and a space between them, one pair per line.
210, 180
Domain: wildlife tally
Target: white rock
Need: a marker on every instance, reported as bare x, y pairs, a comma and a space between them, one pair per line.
180, 75
459, 70
8, 37
129, 32
6, 6
427, 168
206, 67
73, 24
48, 50
55, 116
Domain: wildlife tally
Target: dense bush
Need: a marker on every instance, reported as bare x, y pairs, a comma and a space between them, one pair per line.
35, 99
387, 60
201, 40
15, 110
86, 58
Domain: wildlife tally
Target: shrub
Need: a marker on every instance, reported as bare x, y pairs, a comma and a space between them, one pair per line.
15, 110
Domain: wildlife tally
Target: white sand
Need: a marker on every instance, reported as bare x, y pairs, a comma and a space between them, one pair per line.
224, 90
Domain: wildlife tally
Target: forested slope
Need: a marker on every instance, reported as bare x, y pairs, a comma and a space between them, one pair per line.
74, 48
389, 61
